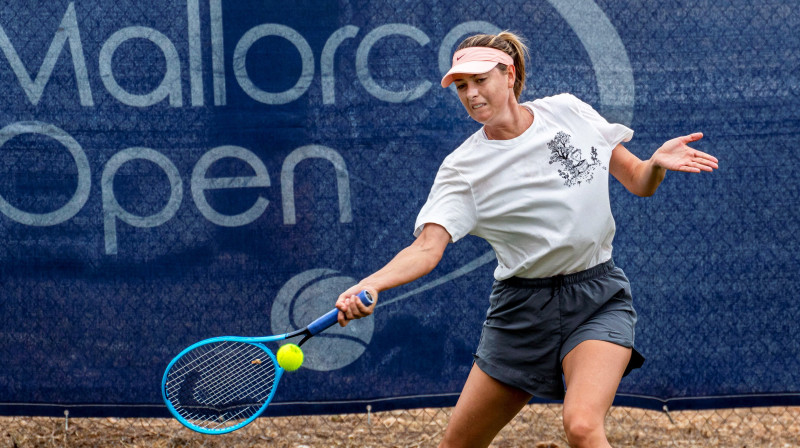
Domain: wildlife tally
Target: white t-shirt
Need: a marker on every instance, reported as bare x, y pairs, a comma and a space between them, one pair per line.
540, 199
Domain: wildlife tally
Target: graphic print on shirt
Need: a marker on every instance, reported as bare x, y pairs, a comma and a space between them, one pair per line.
576, 168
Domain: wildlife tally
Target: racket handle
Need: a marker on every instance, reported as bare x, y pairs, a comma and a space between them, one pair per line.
332, 316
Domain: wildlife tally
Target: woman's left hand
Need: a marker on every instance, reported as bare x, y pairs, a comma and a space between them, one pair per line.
677, 155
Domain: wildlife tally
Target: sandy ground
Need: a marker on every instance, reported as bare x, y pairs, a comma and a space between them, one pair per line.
536, 426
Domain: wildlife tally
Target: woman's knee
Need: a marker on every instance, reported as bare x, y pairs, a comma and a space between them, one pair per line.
583, 427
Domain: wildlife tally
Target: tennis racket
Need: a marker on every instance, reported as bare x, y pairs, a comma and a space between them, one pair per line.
219, 385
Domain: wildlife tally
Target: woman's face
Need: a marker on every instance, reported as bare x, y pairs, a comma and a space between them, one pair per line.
486, 95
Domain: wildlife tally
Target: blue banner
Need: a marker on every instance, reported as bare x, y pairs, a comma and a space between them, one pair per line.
172, 171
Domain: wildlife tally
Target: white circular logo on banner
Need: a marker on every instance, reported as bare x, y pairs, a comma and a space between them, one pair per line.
308, 296
612, 68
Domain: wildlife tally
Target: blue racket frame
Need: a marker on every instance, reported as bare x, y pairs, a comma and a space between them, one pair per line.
314, 328
256, 341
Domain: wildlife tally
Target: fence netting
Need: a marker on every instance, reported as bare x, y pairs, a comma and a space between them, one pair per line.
537, 425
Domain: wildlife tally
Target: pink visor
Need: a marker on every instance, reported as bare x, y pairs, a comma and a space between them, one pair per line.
475, 60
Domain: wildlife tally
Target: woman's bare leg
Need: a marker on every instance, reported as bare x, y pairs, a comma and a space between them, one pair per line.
592, 372
483, 409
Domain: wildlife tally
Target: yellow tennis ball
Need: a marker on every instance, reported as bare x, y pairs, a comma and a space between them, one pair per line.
290, 357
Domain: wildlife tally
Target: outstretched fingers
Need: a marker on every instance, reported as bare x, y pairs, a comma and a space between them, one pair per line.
707, 161
701, 161
696, 161
693, 137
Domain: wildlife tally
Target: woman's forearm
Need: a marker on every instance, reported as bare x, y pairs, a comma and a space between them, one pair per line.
408, 265
641, 178
413, 262
648, 178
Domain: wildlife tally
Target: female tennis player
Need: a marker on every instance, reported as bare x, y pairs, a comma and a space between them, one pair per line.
533, 182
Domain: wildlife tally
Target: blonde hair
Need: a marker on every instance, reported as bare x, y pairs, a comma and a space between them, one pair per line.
509, 43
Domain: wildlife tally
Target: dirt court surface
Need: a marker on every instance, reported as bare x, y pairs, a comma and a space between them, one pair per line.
537, 426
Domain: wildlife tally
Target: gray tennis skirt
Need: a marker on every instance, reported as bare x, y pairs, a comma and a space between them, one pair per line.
532, 324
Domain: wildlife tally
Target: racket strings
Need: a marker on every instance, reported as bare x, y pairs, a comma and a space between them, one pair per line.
215, 397
226, 371
202, 362
220, 384
220, 387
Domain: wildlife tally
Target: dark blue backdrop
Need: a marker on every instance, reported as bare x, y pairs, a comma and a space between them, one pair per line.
172, 171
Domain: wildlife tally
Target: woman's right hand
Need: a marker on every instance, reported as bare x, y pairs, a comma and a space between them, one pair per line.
350, 306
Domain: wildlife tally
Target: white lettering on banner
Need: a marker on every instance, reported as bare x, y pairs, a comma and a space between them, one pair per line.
326, 61
67, 31
342, 180
113, 211
595, 31
78, 199
217, 53
240, 63
171, 84
195, 52
200, 184
362, 63
597, 34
